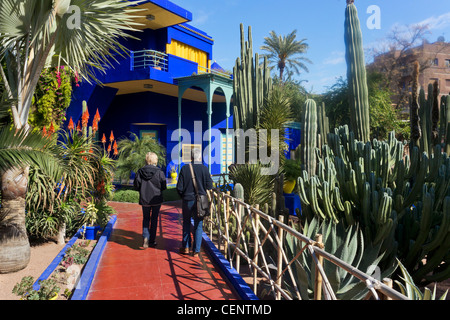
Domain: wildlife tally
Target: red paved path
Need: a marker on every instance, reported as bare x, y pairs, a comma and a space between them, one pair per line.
128, 272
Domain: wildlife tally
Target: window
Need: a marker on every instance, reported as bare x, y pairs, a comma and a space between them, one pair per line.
435, 62
447, 63
433, 80
186, 151
447, 83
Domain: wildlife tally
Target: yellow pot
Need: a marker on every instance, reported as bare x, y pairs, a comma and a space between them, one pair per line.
173, 175
55, 297
289, 186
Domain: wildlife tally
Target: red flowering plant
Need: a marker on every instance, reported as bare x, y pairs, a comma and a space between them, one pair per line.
96, 164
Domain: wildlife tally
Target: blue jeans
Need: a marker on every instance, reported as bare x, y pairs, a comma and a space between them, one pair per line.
197, 232
149, 226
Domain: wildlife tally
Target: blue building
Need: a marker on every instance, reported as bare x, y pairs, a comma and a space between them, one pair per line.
168, 82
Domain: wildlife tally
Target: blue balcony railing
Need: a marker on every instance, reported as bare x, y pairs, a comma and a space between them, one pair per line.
148, 59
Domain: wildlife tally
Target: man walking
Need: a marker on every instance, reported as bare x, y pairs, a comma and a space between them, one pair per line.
186, 190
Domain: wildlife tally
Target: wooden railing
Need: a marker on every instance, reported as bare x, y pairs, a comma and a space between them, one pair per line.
244, 232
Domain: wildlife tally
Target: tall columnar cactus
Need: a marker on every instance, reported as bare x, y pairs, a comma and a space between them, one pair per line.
252, 83
445, 107
416, 132
323, 122
356, 74
435, 114
309, 137
401, 203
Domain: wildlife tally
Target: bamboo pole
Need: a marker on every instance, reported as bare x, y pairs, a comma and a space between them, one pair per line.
227, 217
255, 254
280, 257
239, 230
388, 282
318, 278
315, 252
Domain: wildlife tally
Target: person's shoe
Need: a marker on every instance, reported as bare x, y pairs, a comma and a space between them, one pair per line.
152, 244
184, 250
195, 254
145, 245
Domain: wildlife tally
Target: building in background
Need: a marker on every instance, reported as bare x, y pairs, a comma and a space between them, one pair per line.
434, 60
169, 81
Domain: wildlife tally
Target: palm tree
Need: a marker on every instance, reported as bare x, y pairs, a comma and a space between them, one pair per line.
38, 34
132, 154
285, 52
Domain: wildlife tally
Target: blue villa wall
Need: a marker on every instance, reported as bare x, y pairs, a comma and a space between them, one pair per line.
126, 111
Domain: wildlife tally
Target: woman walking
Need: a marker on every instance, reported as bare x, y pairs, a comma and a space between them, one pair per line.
186, 190
150, 181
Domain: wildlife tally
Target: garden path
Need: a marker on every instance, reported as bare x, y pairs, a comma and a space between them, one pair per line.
126, 271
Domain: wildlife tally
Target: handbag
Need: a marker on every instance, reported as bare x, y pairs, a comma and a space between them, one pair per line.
202, 201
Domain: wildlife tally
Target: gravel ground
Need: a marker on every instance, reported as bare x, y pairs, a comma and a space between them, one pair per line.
41, 256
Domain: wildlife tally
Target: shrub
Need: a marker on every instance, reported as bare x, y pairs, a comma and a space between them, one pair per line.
126, 196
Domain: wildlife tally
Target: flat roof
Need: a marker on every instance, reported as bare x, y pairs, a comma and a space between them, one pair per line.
165, 13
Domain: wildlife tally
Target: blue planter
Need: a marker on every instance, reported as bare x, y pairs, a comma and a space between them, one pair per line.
90, 232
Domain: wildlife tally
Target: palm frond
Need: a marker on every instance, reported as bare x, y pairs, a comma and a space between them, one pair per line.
24, 148
286, 52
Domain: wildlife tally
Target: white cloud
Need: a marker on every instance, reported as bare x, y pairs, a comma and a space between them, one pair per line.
337, 57
201, 17
437, 23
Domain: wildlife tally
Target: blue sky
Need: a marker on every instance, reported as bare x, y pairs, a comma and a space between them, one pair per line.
320, 22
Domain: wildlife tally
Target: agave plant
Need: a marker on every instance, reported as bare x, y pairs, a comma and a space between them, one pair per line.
345, 243
409, 289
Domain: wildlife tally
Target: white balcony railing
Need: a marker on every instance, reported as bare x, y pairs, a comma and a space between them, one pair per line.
149, 59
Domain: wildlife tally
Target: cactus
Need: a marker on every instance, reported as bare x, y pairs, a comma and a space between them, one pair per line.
238, 191
346, 243
373, 186
435, 114
445, 105
414, 109
252, 83
401, 203
323, 125
309, 137
356, 74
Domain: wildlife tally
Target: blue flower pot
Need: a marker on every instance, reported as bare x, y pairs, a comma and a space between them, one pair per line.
90, 232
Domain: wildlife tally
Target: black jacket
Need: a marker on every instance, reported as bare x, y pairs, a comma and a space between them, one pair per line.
150, 182
185, 187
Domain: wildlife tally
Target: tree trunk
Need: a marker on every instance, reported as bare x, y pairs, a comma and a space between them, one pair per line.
14, 244
61, 237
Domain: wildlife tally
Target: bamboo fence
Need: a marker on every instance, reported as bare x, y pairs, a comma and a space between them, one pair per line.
252, 229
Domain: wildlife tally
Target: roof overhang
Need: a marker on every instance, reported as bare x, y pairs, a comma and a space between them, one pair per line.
157, 14
137, 86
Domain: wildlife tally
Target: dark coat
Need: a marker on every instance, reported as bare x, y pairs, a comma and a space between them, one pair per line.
185, 187
150, 182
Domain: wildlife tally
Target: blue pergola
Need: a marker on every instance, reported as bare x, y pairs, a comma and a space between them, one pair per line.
209, 83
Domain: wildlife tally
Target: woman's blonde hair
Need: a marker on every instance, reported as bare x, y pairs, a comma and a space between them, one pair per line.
151, 158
